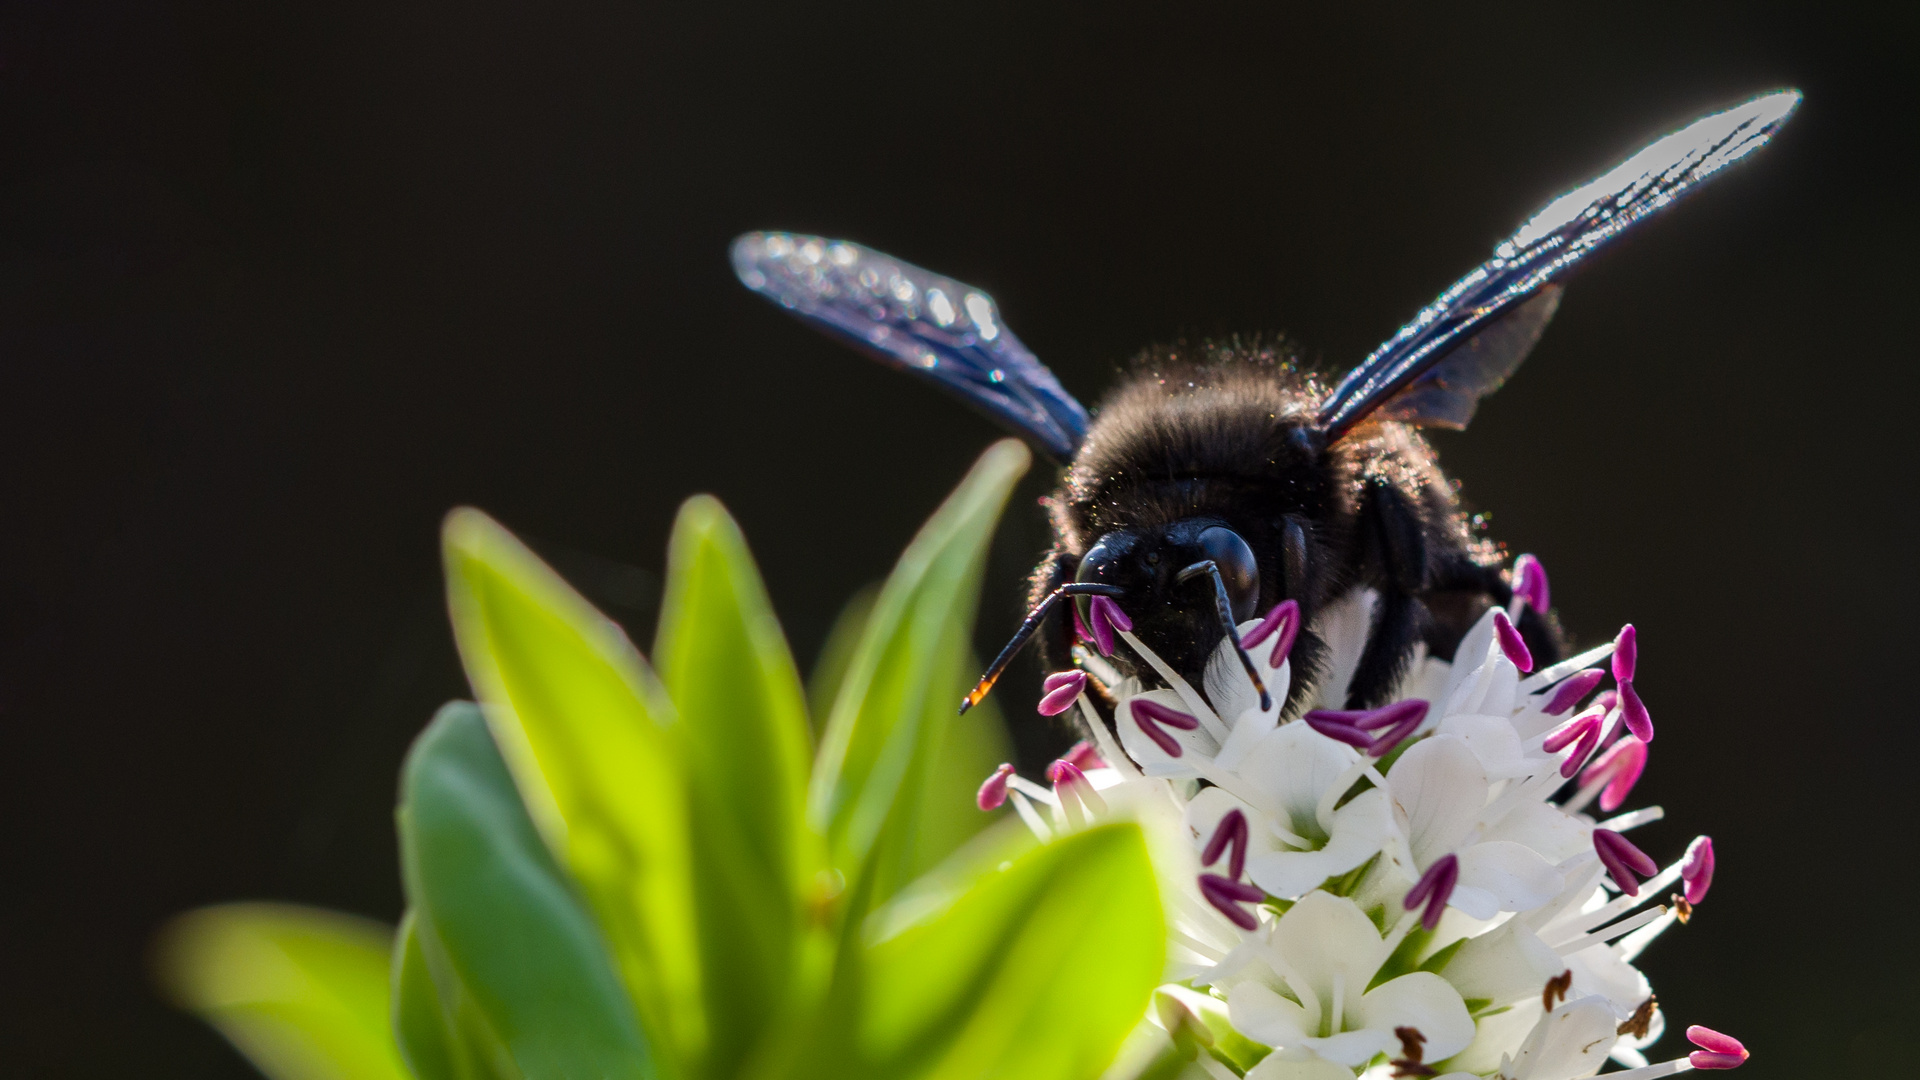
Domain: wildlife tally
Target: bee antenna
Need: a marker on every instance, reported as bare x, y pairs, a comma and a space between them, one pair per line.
1224, 608
1025, 634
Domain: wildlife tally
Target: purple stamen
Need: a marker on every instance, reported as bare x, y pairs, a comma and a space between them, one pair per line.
1583, 730
1327, 722
1623, 860
1530, 583
1064, 772
1084, 756
1230, 833
1107, 618
1434, 889
1227, 895
1634, 712
1511, 643
994, 791
1062, 690
1572, 689
1149, 715
1570, 732
1080, 631
1283, 623
1401, 719
1626, 653
1696, 869
1717, 1045
1620, 767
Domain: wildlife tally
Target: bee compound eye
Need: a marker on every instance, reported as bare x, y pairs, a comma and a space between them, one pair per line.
1239, 570
1101, 563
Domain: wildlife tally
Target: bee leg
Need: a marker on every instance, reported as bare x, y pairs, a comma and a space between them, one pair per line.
1393, 539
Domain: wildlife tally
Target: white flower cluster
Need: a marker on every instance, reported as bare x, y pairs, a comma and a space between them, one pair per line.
1415, 890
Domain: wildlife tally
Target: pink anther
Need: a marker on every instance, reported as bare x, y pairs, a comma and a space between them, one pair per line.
1231, 834
1716, 1051
1620, 766
1633, 712
1107, 620
994, 791
1511, 642
1434, 889
1062, 690
1572, 689
1149, 715
1622, 860
1227, 895
1626, 653
1282, 624
1696, 869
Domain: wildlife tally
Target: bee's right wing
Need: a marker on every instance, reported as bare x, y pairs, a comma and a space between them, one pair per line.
1464, 344
917, 321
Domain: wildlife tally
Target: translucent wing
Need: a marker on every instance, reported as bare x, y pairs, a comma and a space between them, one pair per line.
916, 321
1417, 362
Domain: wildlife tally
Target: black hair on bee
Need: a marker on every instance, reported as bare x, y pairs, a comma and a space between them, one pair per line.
1220, 480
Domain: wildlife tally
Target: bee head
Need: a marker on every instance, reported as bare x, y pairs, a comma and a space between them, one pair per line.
1172, 578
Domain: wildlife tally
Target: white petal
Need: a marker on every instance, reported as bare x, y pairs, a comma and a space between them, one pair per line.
1438, 789
1513, 877
1275, 1067
1556, 835
1421, 1000
1495, 1037
1264, 1016
1239, 705
1196, 746
1351, 1047
1360, 829
1571, 1041
1505, 965
1598, 970
1470, 656
1202, 817
1287, 771
1344, 626
1324, 936
1493, 741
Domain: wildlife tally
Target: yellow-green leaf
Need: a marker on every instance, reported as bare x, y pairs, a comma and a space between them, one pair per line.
898, 692
301, 992
588, 735
743, 732
518, 964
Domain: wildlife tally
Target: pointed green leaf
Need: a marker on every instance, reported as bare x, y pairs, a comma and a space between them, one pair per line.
897, 697
947, 772
301, 992
587, 732
432, 1039
743, 730
513, 954
836, 655
1038, 968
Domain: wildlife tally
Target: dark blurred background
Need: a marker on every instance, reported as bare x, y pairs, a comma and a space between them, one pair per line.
281, 283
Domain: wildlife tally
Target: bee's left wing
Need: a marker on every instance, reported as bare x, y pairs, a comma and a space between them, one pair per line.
1464, 345
917, 321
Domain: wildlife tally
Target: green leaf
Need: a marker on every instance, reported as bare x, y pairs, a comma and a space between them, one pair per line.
896, 699
1039, 969
949, 772
513, 955
836, 655
440, 1040
588, 735
743, 729
301, 992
